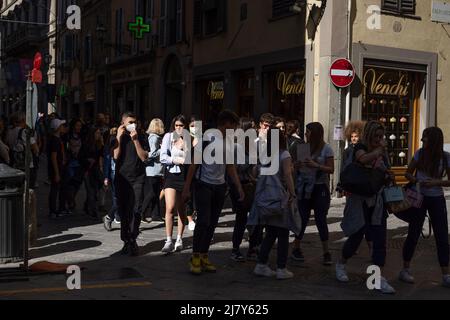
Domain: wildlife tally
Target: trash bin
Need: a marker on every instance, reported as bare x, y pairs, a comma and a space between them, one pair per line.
12, 225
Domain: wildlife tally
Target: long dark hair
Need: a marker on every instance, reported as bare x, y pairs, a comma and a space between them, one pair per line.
316, 139
180, 118
370, 130
90, 143
430, 157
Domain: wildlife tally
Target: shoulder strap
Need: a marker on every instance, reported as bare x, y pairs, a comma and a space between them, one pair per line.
19, 136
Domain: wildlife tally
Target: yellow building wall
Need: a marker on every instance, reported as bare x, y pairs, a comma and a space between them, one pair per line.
420, 35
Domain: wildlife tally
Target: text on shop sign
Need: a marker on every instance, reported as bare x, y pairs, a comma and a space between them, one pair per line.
290, 84
374, 82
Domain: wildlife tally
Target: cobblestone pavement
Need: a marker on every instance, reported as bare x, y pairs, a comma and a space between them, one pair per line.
107, 275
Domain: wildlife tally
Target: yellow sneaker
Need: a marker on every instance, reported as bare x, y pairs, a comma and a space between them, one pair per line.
195, 264
206, 265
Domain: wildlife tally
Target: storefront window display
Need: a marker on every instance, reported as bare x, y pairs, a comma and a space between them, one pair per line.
287, 95
393, 97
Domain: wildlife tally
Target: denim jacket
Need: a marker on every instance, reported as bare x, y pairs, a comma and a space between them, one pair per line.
154, 167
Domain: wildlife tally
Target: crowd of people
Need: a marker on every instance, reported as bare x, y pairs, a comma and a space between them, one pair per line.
150, 176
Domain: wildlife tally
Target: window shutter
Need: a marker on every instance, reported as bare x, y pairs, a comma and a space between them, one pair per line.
222, 15
163, 24
149, 19
400, 6
408, 6
180, 20
391, 5
281, 7
137, 12
198, 18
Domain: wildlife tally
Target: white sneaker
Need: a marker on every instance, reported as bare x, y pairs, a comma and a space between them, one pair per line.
263, 270
386, 288
405, 276
283, 274
446, 281
168, 247
191, 226
341, 273
179, 245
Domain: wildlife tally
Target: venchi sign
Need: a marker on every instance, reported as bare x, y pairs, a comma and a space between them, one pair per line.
376, 84
215, 90
287, 84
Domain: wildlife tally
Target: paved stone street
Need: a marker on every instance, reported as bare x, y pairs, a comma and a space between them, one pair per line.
107, 275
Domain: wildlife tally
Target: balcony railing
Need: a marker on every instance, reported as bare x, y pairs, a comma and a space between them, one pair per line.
24, 36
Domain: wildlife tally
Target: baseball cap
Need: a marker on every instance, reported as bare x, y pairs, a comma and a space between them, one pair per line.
56, 123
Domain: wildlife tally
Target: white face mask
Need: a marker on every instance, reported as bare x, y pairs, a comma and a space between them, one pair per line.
131, 127
193, 130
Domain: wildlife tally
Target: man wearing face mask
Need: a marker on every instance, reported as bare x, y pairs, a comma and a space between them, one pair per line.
130, 153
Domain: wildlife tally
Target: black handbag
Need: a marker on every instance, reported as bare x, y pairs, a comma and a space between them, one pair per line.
362, 181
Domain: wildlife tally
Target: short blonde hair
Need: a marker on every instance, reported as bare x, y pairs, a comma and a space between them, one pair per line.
156, 127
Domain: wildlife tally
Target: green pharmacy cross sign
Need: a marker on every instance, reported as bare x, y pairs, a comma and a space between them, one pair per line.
139, 27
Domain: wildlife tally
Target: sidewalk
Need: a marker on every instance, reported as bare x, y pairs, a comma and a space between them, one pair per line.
107, 275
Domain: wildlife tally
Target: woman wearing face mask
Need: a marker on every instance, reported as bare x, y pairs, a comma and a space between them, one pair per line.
173, 156
92, 158
429, 167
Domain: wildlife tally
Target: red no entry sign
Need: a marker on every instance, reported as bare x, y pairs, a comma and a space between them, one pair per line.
342, 73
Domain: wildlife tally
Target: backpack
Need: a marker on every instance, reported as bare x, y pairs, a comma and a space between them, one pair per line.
17, 158
271, 196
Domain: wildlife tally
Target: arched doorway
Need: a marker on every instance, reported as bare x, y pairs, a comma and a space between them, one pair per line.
173, 89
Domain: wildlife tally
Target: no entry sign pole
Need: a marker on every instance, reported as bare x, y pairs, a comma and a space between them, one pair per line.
342, 75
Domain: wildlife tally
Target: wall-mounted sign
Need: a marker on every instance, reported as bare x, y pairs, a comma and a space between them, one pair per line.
440, 11
380, 83
215, 90
291, 83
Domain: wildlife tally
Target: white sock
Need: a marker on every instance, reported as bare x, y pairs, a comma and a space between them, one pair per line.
179, 238
169, 239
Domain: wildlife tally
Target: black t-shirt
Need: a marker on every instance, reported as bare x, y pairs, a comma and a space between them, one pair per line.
129, 165
55, 144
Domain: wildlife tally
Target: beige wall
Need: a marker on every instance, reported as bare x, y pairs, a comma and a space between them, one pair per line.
420, 35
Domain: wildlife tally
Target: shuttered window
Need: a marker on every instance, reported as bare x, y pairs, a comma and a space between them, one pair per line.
282, 7
400, 6
163, 24
210, 17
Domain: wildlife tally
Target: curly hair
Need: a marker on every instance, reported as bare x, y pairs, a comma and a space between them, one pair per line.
354, 127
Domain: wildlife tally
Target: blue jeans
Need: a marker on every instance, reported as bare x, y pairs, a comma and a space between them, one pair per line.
114, 212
